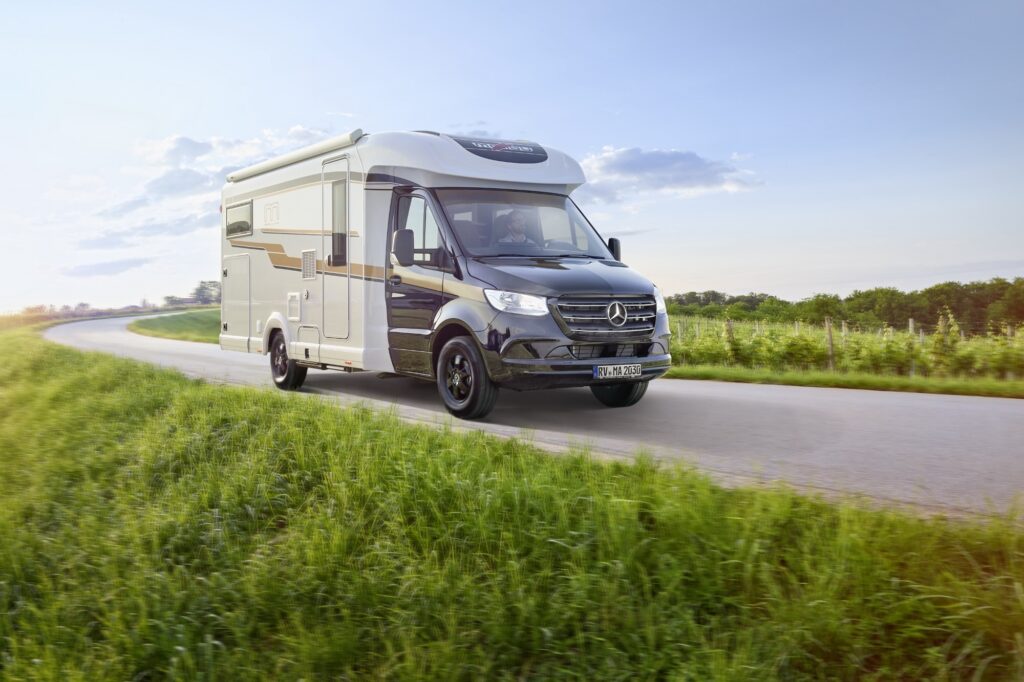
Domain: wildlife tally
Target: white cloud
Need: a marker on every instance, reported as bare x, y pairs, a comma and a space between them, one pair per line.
479, 129
179, 181
627, 231
106, 268
615, 173
176, 150
184, 176
173, 227
124, 208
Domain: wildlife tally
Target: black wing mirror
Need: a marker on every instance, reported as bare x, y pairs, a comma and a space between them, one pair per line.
403, 247
615, 247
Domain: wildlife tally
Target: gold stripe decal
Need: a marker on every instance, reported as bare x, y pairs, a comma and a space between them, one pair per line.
280, 259
355, 269
373, 273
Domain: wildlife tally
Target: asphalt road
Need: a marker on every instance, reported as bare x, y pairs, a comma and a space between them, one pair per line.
932, 451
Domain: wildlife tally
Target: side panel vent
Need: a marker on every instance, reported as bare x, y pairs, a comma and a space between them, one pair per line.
295, 307
309, 264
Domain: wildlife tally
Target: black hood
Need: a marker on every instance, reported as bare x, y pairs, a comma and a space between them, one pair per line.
556, 276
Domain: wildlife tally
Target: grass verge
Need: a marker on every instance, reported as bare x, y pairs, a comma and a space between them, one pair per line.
194, 325
153, 526
979, 386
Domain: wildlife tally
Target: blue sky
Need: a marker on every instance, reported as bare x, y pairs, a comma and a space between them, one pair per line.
791, 148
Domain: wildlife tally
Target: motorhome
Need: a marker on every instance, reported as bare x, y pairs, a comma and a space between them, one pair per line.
458, 260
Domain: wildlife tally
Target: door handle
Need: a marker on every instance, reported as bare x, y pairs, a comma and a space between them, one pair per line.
330, 260
394, 280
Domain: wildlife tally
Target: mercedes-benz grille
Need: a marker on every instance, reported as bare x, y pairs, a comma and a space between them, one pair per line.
596, 317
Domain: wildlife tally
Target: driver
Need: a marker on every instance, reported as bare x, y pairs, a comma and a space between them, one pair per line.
516, 226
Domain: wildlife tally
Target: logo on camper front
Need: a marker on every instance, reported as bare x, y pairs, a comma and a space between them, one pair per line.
617, 314
502, 147
497, 150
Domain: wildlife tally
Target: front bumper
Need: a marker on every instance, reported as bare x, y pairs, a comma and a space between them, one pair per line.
524, 375
525, 353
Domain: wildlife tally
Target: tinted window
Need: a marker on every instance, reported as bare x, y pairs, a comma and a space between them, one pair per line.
239, 220
415, 215
339, 222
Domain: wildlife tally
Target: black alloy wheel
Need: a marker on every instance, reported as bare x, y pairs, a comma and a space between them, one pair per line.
458, 377
462, 381
288, 376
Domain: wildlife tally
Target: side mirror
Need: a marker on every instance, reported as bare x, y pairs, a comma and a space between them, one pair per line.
615, 247
403, 247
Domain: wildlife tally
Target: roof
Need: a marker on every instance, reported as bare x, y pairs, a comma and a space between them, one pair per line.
434, 159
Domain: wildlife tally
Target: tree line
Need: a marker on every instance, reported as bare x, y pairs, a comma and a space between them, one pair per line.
977, 306
205, 293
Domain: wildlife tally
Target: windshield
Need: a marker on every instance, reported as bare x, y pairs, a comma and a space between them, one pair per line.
491, 222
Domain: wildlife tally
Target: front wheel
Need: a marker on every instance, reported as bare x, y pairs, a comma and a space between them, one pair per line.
462, 380
620, 395
288, 375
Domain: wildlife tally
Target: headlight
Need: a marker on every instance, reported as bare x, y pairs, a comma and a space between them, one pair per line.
520, 304
659, 301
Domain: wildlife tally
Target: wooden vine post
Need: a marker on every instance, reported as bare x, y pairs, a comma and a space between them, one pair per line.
831, 349
913, 361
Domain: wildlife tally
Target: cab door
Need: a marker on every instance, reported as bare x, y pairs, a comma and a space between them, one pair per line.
415, 293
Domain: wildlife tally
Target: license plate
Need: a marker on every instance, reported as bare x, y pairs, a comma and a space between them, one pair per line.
616, 371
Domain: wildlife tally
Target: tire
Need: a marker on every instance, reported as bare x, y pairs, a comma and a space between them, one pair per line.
462, 380
287, 375
620, 395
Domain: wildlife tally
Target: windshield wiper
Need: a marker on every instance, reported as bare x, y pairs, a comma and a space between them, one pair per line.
575, 255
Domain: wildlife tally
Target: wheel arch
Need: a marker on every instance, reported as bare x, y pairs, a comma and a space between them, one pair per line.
462, 317
443, 335
275, 322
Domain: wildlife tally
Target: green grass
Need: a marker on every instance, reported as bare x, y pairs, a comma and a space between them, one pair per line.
999, 388
194, 325
153, 526
942, 353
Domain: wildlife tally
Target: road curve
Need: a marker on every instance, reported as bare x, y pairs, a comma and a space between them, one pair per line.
941, 452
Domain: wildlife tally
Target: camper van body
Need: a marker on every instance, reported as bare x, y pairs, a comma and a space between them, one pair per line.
312, 250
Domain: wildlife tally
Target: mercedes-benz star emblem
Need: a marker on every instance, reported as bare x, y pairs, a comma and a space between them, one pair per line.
616, 314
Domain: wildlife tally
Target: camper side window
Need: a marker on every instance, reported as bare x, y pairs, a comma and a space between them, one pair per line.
339, 222
415, 215
239, 220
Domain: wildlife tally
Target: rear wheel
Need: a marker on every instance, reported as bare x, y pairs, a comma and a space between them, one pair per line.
620, 395
288, 376
462, 380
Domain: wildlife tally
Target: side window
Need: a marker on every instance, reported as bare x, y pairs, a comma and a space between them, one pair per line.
415, 215
339, 222
431, 236
579, 235
239, 220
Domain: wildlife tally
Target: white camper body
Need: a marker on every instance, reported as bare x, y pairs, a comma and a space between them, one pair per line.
305, 247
